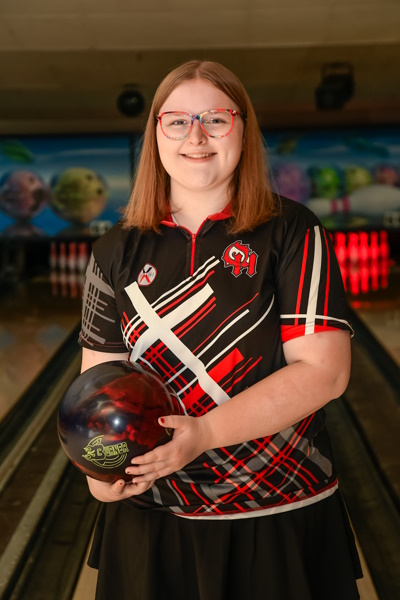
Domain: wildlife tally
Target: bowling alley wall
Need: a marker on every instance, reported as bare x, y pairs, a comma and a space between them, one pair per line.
54, 189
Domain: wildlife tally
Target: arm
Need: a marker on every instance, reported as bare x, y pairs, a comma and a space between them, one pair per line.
109, 492
318, 369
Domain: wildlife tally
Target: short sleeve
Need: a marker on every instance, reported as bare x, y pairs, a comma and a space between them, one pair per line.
100, 328
310, 289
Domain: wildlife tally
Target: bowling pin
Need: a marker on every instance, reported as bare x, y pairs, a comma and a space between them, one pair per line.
370, 201
62, 257
353, 249
83, 257
364, 252
340, 247
373, 246
72, 258
384, 250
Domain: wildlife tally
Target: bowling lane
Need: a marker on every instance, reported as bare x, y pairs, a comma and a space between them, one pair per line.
37, 318
379, 310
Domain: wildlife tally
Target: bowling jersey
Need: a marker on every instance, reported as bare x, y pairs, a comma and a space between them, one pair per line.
210, 313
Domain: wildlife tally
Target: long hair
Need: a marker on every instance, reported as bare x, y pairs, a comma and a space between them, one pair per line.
252, 200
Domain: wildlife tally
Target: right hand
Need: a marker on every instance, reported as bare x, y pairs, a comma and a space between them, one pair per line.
119, 490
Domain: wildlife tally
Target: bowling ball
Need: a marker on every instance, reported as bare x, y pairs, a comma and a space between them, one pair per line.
23, 194
79, 195
109, 415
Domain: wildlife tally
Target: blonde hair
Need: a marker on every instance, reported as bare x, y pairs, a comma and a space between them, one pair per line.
252, 200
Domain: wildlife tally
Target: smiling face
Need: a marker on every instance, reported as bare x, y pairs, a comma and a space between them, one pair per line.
200, 163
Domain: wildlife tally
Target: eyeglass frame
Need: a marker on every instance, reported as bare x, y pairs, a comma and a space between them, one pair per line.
234, 113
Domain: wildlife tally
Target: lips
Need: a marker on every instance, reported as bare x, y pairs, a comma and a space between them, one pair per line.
199, 155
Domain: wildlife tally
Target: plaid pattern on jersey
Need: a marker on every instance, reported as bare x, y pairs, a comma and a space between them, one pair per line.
211, 332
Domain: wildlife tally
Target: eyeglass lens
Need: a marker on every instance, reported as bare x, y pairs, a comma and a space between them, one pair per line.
216, 124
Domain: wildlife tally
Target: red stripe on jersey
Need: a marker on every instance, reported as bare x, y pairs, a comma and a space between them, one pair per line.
192, 289
198, 316
303, 270
328, 275
180, 493
289, 332
244, 374
206, 502
224, 321
217, 373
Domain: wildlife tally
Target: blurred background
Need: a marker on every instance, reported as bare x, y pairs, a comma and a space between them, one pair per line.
77, 79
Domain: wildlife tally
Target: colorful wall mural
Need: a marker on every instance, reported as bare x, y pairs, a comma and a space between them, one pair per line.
75, 185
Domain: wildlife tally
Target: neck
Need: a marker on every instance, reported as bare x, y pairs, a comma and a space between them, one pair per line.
191, 208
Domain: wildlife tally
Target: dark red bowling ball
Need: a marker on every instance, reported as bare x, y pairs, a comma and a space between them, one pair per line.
109, 415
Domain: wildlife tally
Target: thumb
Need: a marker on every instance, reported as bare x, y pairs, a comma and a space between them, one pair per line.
171, 421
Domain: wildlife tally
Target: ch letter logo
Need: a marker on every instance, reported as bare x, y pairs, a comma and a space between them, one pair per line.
147, 275
240, 257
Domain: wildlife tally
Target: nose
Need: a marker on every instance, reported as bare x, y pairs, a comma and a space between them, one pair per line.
197, 135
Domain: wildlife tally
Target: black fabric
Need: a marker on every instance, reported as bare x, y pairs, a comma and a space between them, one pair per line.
304, 554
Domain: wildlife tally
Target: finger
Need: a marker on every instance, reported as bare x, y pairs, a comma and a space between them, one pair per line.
145, 469
117, 488
172, 421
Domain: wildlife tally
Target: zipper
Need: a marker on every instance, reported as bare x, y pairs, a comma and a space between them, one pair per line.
193, 238
193, 253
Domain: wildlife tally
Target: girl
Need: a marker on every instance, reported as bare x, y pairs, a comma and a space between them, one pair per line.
234, 296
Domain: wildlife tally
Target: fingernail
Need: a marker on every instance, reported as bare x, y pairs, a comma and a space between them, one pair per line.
161, 420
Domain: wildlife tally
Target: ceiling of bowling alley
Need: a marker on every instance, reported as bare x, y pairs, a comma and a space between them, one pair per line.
64, 62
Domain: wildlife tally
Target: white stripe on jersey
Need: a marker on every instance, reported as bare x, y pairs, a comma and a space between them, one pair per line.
314, 286
175, 345
171, 320
323, 317
157, 304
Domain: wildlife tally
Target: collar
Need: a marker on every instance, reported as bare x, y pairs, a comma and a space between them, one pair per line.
226, 213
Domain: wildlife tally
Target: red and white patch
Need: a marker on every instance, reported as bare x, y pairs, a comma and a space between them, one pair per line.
240, 257
147, 275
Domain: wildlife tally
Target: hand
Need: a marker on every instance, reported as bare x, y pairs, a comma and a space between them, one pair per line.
188, 442
119, 490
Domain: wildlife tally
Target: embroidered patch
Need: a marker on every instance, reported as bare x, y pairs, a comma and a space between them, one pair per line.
147, 275
240, 257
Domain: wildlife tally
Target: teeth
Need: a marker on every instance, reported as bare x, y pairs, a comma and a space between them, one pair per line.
198, 155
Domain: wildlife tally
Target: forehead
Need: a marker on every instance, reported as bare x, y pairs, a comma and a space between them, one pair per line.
196, 96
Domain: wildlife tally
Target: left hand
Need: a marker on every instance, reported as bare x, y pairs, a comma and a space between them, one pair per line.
188, 442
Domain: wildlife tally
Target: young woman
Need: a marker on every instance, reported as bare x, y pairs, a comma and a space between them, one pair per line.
234, 296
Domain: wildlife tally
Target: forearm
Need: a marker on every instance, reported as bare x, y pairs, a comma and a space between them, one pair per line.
272, 405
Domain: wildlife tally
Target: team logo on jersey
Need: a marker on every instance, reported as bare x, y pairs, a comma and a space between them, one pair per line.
106, 456
240, 257
147, 275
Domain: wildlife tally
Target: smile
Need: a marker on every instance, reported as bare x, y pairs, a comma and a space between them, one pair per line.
197, 155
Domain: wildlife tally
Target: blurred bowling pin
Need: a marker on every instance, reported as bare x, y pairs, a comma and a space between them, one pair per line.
364, 252
353, 249
83, 257
340, 247
372, 200
384, 250
373, 246
62, 257
72, 258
